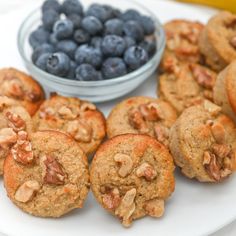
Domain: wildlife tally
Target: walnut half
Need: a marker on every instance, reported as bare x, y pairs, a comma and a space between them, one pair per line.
54, 173
22, 151
27, 191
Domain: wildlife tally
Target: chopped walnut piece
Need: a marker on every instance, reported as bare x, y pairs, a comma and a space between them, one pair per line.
15, 121
87, 106
208, 94
7, 136
81, 131
218, 132
66, 113
233, 42
136, 120
147, 171
221, 150
211, 107
22, 150
13, 87
202, 76
112, 199
155, 207
54, 173
162, 134
126, 164
211, 165
126, 207
171, 64
149, 112
46, 112
27, 191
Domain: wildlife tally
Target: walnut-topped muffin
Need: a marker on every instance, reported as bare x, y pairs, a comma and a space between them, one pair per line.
79, 119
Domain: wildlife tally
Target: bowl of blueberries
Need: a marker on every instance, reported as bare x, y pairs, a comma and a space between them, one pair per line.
93, 50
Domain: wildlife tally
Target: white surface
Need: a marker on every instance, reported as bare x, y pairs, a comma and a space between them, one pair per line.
194, 209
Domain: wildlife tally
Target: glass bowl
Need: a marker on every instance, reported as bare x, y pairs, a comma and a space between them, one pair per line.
95, 91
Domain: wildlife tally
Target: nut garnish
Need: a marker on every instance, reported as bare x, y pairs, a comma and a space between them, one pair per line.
81, 131
221, 150
211, 107
66, 113
202, 76
7, 136
137, 121
127, 207
211, 165
208, 94
147, 171
46, 112
233, 42
54, 173
87, 106
112, 199
126, 164
161, 133
155, 207
22, 150
15, 121
13, 87
218, 132
170, 64
27, 191
149, 112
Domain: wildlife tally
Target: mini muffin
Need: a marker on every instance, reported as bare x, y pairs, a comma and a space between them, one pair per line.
46, 174
142, 115
218, 40
131, 176
190, 86
79, 119
13, 118
203, 143
20, 86
182, 38
225, 90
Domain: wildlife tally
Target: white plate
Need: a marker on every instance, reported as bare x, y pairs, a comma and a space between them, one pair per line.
195, 209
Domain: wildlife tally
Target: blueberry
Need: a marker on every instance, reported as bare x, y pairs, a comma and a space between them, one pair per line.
38, 37
135, 57
147, 24
53, 39
130, 14
114, 26
92, 25
81, 36
86, 72
51, 4
63, 29
58, 64
149, 46
49, 17
72, 7
129, 41
71, 73
113, 45
116, 13
88, 55
76, 20
96, 42
113, 67
41, 62
103, 13
41, 49
68, 47
134, 30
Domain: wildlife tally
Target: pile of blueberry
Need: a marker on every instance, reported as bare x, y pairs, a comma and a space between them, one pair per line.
94, 44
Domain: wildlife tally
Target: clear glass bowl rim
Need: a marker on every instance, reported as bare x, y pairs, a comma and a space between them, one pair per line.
160, 44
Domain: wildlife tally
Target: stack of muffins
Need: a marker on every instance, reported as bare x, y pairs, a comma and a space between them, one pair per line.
45, 144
